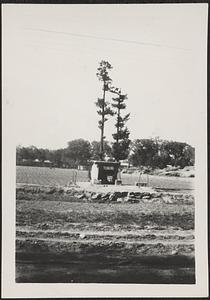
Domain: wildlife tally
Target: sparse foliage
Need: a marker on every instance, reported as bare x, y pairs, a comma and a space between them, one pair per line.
104, 109
120, 148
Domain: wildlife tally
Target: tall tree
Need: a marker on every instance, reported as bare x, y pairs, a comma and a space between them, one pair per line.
120, 148
104, 107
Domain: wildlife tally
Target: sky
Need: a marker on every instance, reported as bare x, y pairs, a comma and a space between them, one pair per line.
50, 58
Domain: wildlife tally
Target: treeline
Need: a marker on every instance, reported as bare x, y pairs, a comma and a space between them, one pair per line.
156, 153
78, 152
153, 153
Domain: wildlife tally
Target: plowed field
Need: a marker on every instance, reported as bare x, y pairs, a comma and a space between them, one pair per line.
71, 240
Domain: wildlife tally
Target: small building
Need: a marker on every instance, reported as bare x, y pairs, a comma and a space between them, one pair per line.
104, 172
125, 163
47, 163
83, 167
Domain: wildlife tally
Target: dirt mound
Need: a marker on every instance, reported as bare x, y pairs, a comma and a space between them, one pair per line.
71, 194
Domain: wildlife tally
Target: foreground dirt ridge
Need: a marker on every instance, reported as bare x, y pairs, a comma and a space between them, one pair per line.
50, 220
114, 232
105, 193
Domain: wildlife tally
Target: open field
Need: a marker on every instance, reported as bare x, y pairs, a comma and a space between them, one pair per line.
47, 176
67, 234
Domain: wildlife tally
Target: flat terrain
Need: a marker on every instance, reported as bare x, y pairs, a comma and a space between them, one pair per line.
47, 176
61, 237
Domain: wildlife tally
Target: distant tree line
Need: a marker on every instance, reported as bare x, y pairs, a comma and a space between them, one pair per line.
156, 153
153, 153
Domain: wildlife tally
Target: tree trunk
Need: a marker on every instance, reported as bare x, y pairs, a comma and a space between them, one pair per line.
102, 129
117, 138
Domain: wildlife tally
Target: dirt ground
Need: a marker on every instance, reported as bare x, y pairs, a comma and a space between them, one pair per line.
64, 236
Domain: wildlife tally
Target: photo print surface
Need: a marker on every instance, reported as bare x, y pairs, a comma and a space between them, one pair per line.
103, 110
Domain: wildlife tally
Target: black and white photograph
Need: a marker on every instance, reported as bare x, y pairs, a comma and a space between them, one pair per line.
104, 149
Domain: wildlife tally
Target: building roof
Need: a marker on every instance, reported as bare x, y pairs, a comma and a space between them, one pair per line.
107, 163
